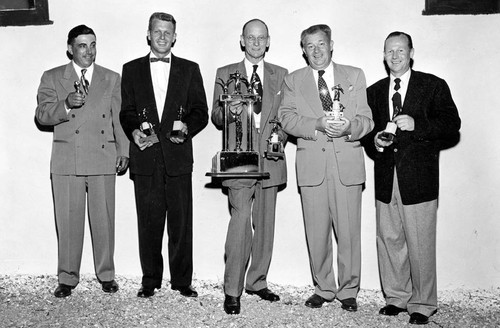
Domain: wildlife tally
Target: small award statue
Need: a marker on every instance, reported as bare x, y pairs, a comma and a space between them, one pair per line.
337, 110
77, 87
178, 124
147, 128
390, 130
275, 147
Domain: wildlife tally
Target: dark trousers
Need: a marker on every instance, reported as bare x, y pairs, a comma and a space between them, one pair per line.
156, 197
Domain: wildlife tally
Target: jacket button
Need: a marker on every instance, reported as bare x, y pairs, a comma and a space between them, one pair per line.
102, 146
323, 149
73, 115
103, 115
395, 150
102, 131
77, 131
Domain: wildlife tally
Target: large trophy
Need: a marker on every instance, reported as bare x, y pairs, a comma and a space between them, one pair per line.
390, 129
237, 162
147, 127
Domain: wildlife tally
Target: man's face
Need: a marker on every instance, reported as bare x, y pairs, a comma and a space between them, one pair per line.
83, 49
318, 50
255, 40
398, 55
161, 36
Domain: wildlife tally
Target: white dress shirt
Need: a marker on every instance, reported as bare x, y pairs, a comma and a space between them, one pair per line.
405, 78
160, 72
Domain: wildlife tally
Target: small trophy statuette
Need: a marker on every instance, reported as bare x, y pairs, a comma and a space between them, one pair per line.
147, 128
390, 130
274, 142
77, 87
178, 124
337, 108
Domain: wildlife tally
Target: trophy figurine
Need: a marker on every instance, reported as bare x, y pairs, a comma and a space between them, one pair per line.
241, 161
336, 113
77, 87
390, 129
178, 124
274, 142
147, 128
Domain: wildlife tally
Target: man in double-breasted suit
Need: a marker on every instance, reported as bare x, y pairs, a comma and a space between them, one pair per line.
407, 177
154, 89
330, 164
81, 100
252, 201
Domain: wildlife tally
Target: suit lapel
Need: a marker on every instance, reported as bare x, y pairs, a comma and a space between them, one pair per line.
176, 83
384, 100
69, 78
268, 94
309, 91
414, 94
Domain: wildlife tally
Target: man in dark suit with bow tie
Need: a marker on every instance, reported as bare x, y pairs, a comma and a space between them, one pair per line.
154, 89
425, 120
81, 100
252, 201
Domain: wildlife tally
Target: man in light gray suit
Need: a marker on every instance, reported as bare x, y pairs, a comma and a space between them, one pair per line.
330, 164
81, 100
252, 201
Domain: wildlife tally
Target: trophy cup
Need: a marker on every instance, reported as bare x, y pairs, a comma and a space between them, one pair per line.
240, 162
337, 111
275, 147
390, 130
177, 127
147, 127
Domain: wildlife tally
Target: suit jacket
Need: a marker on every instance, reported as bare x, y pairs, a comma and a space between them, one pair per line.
271, 97
185, 88
301, 107
415, 154
87, 140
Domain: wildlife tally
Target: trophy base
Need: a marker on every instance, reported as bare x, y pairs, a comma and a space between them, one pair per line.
234, 164
153, 138
274, 154
386, 136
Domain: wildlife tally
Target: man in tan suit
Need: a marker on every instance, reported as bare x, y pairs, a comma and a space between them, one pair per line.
81, 100
330, 164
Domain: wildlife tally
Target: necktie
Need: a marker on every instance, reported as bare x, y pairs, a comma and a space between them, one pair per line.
324, 94
396, 99
155, 60
84, 82
257, 84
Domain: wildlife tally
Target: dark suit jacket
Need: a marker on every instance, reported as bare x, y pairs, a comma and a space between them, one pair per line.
415, 154
271, 98
185, 88
87, 140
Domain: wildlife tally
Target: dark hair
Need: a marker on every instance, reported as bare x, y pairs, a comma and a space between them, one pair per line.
251, 21
77, 31
398, 33
161, 16
314, 29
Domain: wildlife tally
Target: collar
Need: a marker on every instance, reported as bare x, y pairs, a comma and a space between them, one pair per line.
88, 74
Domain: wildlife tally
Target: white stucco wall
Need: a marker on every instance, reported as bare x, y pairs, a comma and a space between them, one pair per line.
464, 50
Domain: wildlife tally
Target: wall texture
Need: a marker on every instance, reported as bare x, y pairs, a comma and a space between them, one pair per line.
464, 50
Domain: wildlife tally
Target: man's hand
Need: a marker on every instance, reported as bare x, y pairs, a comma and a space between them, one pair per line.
337, 130
121, 163
177, 140
75, 100
380, 143
405, 122
138, 135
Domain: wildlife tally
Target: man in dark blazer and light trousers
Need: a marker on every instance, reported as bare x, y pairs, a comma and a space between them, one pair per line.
330, 165
407, 178
88, 149
252, 201
153, 90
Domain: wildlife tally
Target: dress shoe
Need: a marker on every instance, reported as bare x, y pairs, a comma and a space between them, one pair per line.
187, 291
315, 301
418, 319
349, 304
391, 310
265, 294
232, 305
109, 286
145, 292
63, 290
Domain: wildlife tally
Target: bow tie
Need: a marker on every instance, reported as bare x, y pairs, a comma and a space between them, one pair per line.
154, 60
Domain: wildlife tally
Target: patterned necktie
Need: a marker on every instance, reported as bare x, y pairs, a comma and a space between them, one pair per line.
324, 94
155, 60
256, 82
84, 81
396, 99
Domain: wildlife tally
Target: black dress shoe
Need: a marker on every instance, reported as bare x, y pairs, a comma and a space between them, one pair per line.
63, 290
391, 310
232, 304
109, 286
145, 292
187, 291
265, 294
349, 304
418, 319
315, 301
